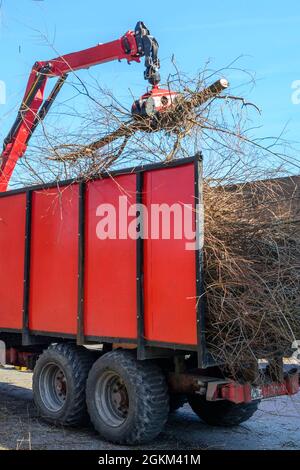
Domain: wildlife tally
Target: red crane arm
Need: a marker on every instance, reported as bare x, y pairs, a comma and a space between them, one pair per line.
114, 50
132, 46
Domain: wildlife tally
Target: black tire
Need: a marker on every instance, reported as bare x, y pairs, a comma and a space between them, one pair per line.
127, 400
59, 381
222, 413
177, 401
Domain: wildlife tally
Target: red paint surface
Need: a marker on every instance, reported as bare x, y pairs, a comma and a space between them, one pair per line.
169, 271
54, 260
110, 308
12, 246
110, 269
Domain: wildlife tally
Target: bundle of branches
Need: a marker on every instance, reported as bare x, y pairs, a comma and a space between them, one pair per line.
252, 271
179, 119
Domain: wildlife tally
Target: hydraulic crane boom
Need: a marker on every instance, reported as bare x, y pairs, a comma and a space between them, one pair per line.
131, 47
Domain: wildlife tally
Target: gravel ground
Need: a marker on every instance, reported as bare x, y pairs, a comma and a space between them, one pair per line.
275, 426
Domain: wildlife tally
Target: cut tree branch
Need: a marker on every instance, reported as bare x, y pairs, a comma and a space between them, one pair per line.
169, 121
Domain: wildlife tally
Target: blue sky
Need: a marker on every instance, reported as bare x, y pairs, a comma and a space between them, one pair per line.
266, 35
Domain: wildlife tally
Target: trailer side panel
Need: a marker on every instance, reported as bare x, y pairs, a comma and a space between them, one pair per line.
12, 242
169, 269
54, 260
83, 284
109, 272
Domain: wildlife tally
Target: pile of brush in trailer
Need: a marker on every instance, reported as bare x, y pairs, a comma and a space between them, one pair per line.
252, 271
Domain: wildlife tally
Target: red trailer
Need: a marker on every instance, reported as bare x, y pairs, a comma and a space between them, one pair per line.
64, 287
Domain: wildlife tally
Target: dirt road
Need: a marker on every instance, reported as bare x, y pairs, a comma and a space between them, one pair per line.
275, 426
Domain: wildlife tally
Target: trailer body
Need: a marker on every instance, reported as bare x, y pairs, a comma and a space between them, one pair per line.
58, 279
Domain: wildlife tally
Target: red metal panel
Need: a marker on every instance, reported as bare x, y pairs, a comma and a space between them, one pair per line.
54, 260
244, 393
110, 265
169, 269
12, 243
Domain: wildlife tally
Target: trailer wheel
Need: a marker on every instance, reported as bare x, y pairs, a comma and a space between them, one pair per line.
222, 413
127, 400
59, 381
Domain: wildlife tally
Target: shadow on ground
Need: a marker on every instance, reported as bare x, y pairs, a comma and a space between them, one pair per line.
275, 426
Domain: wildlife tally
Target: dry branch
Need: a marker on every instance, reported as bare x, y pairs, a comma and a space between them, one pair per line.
168, 121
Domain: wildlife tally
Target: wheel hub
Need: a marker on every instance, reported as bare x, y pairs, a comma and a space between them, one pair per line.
53, 387
112, 399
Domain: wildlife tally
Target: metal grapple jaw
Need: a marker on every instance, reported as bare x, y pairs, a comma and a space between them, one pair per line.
154, 102
157, 100
148, 46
